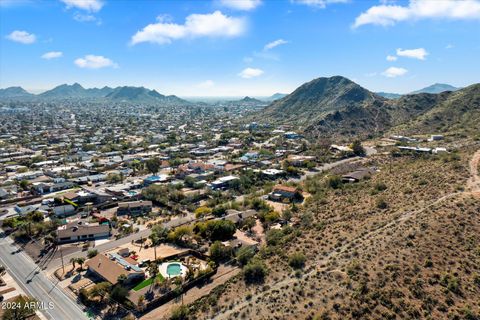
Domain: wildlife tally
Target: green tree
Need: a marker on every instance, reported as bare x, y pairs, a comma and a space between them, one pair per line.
358, 149
220, 252
24, 184
158, 236
119, 293
153, 165
73, 261
81, 261
99, 290
245, 254
202, 211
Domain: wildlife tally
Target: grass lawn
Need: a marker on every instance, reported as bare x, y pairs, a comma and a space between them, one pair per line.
147, 282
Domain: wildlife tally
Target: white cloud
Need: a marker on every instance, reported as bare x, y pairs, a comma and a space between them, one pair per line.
215, 24
419, 53
241, 4
52, 55
318, 3
394, 72
387, 15
274, 44
391, 58
449, 46
206, 84
87, 5
91, 61
248, 73
84, 17
22, 37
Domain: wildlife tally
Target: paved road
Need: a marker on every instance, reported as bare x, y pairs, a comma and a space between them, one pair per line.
327, 166
22, 268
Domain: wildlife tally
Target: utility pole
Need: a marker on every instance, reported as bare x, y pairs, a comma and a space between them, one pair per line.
61, 255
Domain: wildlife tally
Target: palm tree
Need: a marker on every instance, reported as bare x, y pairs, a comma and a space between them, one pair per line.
155, 239
158, 236
81, 261
152, 271
73, 261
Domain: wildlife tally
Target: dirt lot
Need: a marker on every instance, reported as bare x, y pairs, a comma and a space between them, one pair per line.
277, 206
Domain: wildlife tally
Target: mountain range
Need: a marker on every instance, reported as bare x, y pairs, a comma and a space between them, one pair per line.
276, 96
76, 91
339, 108
14, 92
434, 88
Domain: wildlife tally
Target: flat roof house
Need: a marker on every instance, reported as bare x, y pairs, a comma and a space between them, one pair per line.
223, 182
64, 210
357, 175
134, 208
82, 232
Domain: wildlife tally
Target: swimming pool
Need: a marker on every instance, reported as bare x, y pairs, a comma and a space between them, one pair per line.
174, 269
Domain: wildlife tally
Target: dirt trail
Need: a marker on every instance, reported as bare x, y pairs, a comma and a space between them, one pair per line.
473, 186
474, 182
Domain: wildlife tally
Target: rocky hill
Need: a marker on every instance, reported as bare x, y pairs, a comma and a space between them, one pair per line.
339, 108
141, 94
14, 92
457, 111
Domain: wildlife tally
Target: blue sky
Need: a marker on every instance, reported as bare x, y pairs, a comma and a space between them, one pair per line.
238, 47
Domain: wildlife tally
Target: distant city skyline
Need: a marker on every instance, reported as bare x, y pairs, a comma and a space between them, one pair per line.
238, 47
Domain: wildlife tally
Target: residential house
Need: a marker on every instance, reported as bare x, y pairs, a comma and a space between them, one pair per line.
75, 232
64, 211
273, 173
291, 135
155, 179
111, 267
435, 137
134, 208
285, 193
4, 194
223, 182
237, 217
358, 175
298, 160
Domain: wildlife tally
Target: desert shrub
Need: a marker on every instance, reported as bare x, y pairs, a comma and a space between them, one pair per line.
244, 255
334, 182
92, 253
297, 260
254, 272
451, 282
180, 313
381, 203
